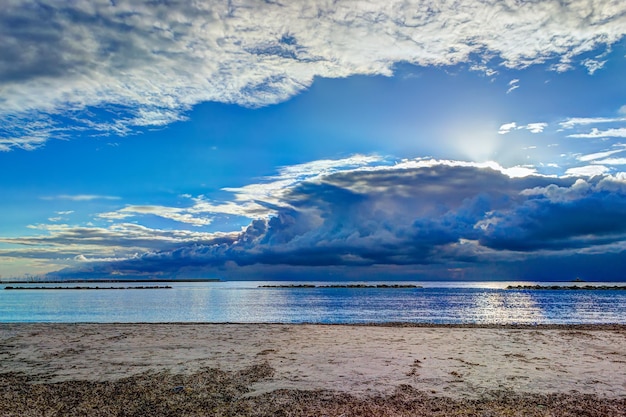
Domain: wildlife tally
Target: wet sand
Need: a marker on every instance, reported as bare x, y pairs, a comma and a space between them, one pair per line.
385, 370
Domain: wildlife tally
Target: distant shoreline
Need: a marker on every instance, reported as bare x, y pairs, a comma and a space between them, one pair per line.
97, 281
341, 286
151, 287
564, 287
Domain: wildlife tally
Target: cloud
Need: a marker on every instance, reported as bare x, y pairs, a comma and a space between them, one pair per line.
63, 245
596, 133
172, 213
532, 127
120, 235
257, 200
557, 217
613, 183
513, 85
413, 214
600, 155
611, 161
489, 72
556, 194
145, 63
80, 197
366, 213
536, 127
60, 216
575, 121
593, 65
513, 172
507, 127
586, 171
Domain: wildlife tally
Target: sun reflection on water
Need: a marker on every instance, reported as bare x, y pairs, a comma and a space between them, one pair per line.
507, 308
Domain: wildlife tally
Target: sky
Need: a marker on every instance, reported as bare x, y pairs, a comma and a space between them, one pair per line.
342, 140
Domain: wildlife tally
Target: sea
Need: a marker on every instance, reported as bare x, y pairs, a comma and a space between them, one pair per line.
251, 302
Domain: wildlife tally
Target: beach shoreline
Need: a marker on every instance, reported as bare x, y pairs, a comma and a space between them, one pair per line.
456, 364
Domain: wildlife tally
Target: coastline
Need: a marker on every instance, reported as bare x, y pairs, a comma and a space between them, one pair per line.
106, 281
373, 365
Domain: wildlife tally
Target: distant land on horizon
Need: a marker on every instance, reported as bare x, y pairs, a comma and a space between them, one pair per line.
43, 280
73, 281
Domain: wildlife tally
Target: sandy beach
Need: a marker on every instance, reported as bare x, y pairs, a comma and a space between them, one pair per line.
312, 369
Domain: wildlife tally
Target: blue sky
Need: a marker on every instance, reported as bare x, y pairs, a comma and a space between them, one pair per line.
343, 140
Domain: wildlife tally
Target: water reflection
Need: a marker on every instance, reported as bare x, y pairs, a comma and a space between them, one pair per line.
507, 307
245, 302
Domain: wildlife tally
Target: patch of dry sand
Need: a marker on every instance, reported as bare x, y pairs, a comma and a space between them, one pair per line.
360, 360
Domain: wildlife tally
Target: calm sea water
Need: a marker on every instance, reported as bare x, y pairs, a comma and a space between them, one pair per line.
245, 302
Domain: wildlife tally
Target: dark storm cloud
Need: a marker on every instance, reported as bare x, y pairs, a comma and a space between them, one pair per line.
436, 215
541, 224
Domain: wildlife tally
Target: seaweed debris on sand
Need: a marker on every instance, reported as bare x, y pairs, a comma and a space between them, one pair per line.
216, 392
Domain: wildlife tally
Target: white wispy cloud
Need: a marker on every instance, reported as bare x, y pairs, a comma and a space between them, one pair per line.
146, 63
60, 215
537, 127
587, 171
507, 127
181, 215
593, 65
120, 237
611, 161
576, 121
597, 133
489, 72
513, 85
600, 155
80, 197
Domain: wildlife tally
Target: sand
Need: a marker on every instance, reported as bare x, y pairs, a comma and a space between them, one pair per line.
546, 365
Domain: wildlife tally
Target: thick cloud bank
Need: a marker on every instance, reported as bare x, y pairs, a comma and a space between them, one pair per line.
432, 215
144, 63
